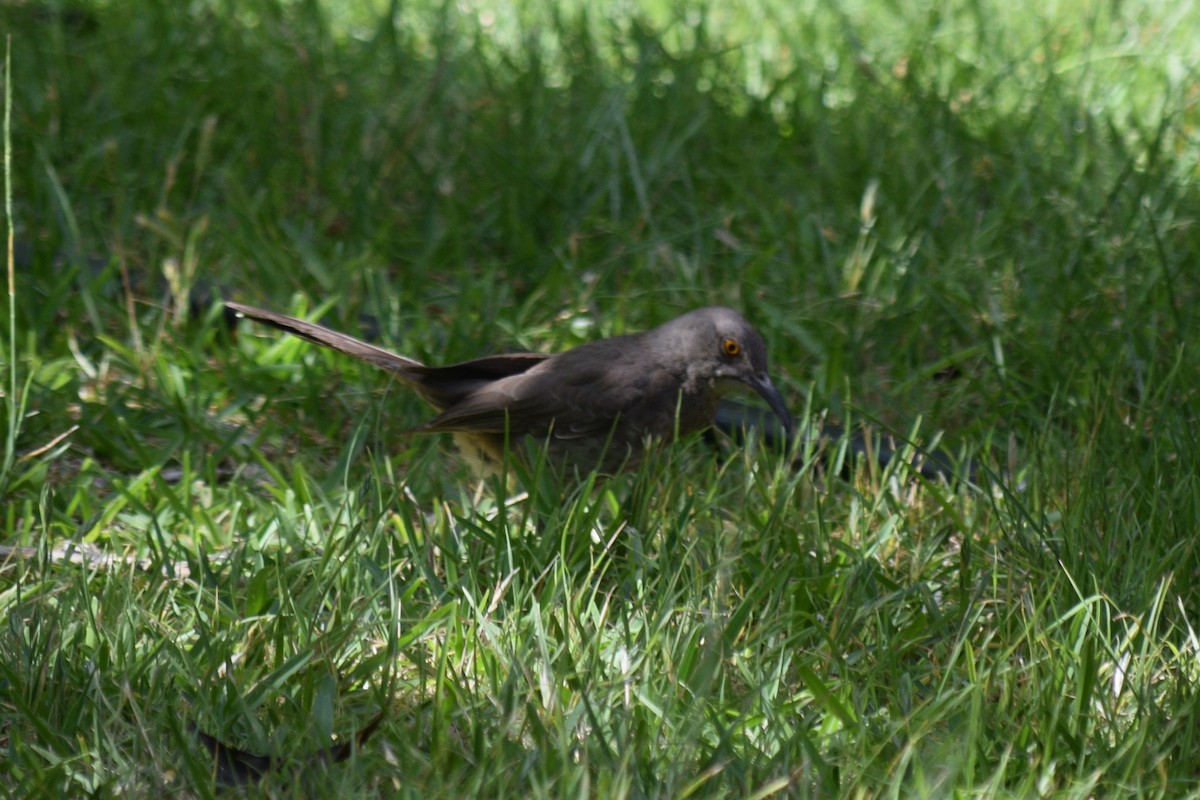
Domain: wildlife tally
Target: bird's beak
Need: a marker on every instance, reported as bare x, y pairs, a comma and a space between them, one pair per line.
761, 383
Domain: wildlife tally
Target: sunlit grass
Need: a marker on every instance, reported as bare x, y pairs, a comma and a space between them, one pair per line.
970, 224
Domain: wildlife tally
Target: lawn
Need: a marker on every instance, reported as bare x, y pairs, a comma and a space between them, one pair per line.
966, 225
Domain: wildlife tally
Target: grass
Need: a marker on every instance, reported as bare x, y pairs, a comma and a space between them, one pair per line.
961, 220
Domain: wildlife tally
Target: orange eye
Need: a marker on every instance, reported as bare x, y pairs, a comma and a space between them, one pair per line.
731, 347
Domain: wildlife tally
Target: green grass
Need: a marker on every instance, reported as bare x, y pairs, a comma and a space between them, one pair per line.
968, 220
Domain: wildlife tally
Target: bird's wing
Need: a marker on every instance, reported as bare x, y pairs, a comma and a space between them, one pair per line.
449, 386
575, 394
494, 410
485, 369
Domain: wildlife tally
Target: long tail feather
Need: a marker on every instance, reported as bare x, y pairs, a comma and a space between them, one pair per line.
332, 339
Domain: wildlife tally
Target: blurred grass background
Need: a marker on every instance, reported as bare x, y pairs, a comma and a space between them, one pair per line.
966, 217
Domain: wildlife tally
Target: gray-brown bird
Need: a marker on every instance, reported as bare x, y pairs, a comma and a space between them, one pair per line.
596, 406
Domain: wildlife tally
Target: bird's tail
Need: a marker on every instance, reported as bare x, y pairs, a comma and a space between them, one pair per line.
318, 334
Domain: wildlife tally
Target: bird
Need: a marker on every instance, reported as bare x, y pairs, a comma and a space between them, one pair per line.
596, 406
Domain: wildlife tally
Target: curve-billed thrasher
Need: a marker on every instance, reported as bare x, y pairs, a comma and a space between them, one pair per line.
595, 406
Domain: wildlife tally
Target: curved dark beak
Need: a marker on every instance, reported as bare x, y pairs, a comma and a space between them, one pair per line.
761, 383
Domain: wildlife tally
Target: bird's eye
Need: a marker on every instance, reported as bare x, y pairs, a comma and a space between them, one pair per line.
731, 347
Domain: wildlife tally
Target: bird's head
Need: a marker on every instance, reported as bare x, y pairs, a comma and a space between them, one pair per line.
721, 349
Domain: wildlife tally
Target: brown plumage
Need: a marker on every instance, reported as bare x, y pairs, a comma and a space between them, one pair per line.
595, 406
